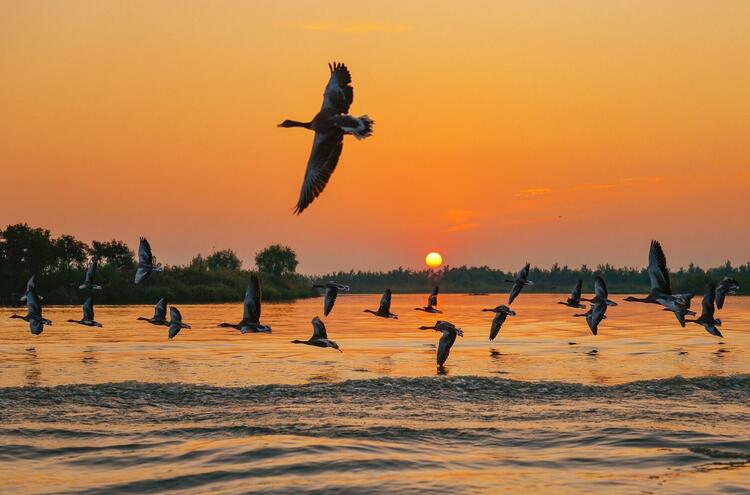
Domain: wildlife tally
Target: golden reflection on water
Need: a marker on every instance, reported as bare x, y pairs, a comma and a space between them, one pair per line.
544, 342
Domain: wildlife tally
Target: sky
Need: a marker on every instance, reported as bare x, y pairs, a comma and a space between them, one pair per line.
556, 131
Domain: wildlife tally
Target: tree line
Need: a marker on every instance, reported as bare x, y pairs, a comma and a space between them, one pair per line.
60, 264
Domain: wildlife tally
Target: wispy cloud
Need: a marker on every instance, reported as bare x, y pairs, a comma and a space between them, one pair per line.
354, 27
592, 187
539, 191
462, 227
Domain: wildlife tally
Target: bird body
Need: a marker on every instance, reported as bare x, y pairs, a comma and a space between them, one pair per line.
707, 319
33, 309
574, 301
90, 280
447, 339
601, 295
146, 262
250, 322
88, 314
175, 322
332, 290
330, 125
319, 337
160, 314
521, 281
501, 313
599, 304
432, 301
384, 310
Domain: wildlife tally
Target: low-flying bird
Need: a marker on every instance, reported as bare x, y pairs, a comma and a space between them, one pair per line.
501, 313
332, 290
384, 311
574, 301
448, 337
319, 336
707, 319
251, 313
601, 295
330, 125
146, 262
595, 315
661, 289
175, 322
728, 286
432, 301
90, 280
522, 280
88, 314
33, 309
30, 286
160, 314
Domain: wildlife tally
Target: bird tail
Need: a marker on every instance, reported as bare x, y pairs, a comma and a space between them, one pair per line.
364, 127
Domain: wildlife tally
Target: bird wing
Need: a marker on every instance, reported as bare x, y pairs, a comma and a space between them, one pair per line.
144, 252
514, 291
444, 347
174, 316
432, 300
160, 310
497, 324
31, 284
721, 292
88, 309
596, 315
324, 157
385, 302
319, 329
331, 292
576, 294
252, 300
524, 273
91, 272
33, 306
174, 329
141, 274
657, 269
600, 288
36, 325
339, 93
707, 304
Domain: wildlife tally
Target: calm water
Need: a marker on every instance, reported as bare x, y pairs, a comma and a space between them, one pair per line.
645, 406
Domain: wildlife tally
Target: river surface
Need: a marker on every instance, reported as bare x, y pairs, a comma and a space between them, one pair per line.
644, 407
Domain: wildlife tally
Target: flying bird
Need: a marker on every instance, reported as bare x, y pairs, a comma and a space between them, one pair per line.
146, 262
601, 295
175, 322
707, 319
432, 301
319, 336
88, 314
160, 314
661, 289
595, 315
522, 280
250, 322
574, 301
90, 281
332, 290
448, 337
501, 313
384, 311
330, 125
33, 309
728, 286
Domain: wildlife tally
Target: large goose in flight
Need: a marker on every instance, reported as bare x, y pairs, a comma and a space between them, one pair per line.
146, 262
90, 281
432, 301
319, 337
175, 322
501, 313
384, 310
251, 313
449, 332
330, 125
332, 290
522, 280
574, 301
88, 314
707, 319
160, 314
33, 309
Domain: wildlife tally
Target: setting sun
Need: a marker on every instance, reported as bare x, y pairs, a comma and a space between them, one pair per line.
433, 260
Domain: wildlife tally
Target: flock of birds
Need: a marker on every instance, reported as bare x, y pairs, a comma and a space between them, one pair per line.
660, 293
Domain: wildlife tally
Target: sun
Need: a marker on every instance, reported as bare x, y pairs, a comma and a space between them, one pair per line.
433, 260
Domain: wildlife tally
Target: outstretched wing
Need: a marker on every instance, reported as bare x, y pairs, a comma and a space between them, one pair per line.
444, 347
514, 291
330, 299
319, 329
595, 316
339, 94
600, 288
160, 310
324, 157
175, 316
707, 305
497, 324
141, 274
524, 273
252, 300
576, 294
385, 302
144, 252
721, 293
91, 272
88, 309
33, 305
658, 272
432, 300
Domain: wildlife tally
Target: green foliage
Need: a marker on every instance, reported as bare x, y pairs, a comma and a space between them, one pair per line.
114, 253
224, 260
277, 260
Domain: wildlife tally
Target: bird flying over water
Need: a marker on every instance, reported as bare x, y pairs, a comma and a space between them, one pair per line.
30, 286
384, 311
146, 262
522, 280
330, 125
728, 286
33, 309
160, 314
175, 322
432, 301
601, 295
599, 304
319, 336
574, 301
88, 314
501, 313
90, 281
707, 319
448, 337
250, 322
332, 290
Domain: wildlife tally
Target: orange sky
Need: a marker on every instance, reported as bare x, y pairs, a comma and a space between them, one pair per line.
505, 131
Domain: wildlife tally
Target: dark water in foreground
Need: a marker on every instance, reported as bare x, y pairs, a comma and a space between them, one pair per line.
121, 410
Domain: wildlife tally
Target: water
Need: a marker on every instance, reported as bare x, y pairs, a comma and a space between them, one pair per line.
643, 407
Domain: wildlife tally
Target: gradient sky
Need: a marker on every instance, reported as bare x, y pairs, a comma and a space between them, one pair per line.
505, 131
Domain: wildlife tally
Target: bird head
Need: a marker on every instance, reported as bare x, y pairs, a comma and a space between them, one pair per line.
287, 123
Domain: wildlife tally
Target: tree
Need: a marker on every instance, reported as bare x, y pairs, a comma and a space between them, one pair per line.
114, 253
198, 263
277, 259
69, 251
225, 259
26, 249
